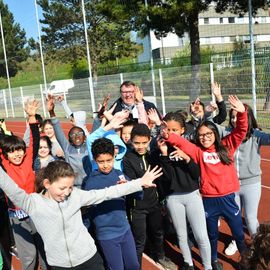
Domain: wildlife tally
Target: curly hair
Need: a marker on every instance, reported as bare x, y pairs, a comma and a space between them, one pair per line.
258, 256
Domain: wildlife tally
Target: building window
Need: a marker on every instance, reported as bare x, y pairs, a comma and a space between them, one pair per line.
240, 20
206, 20
231, 19
233, 39
263, 20
220, 20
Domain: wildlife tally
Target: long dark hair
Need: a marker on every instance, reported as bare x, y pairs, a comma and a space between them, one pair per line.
257, 257
252, 122
48, 141
221, 150
52, 172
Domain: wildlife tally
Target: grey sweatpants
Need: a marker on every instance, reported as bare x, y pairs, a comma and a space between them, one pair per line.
190, 206
249, 198
29, 244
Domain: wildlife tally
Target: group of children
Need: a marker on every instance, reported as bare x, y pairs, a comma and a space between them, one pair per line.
192, 163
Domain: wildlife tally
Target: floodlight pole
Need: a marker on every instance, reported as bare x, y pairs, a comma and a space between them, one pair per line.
40, 48
252, 58
5, 56
151, 54
91, 88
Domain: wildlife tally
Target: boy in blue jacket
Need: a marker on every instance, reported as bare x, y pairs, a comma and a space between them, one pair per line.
112, 228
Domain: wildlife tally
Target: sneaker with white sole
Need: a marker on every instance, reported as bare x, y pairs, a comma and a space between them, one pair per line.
231, 248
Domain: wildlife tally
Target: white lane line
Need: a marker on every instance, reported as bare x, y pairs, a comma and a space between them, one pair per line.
265, 159
265, 187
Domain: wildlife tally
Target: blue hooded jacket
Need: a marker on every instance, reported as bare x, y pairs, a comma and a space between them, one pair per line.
113, 136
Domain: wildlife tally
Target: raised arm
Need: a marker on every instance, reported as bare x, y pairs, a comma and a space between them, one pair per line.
31, 108
235, 138
17, 195
222, 112
59, 134
98, 196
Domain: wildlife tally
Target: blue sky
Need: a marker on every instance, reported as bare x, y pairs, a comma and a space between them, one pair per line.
24, 14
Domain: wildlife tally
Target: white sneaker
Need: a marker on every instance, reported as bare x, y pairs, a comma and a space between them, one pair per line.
231, 248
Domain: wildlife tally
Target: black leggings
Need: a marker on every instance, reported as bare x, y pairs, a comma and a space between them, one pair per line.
94, 263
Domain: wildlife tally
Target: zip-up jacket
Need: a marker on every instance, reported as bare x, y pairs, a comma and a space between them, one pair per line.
217, 179
77, 157
135, 165
66, 240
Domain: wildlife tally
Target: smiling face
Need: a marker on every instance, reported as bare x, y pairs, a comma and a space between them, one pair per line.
233, 118
49, 131
16, 157
105, 163
76, 136
174, 127
206, 136
60, 189
44, 149
128, 94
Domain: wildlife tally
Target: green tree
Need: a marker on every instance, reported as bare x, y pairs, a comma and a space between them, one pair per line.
15, 43
64, 32
176, 16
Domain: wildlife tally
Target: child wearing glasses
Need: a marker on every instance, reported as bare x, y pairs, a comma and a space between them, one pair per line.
219, 180
75, 150
180, 185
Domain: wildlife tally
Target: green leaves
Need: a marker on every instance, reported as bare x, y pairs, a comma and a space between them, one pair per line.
15, 43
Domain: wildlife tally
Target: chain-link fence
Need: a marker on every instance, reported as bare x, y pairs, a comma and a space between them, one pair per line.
174, 88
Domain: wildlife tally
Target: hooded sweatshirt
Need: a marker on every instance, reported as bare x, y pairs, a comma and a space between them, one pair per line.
112, 135
67, 242
217, 179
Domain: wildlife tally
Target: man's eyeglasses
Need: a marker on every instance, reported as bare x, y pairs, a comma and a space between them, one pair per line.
207, 135
77, 134
127, 92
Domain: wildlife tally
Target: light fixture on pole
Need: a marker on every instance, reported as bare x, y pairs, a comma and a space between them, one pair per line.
40, 48
5, 56
90, 79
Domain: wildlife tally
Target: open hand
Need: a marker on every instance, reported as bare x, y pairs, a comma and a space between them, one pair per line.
31, 107
138, 94
150, 175
153, 116
236, 104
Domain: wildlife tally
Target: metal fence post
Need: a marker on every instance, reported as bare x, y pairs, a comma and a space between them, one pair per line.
121, 78
42, 100
5, 102
162, 91
21, 90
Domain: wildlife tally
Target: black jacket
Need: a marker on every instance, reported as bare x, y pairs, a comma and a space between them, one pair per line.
135, 166
178, 176
147, 105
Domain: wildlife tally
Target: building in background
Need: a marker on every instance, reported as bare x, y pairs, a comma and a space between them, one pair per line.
218, 31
